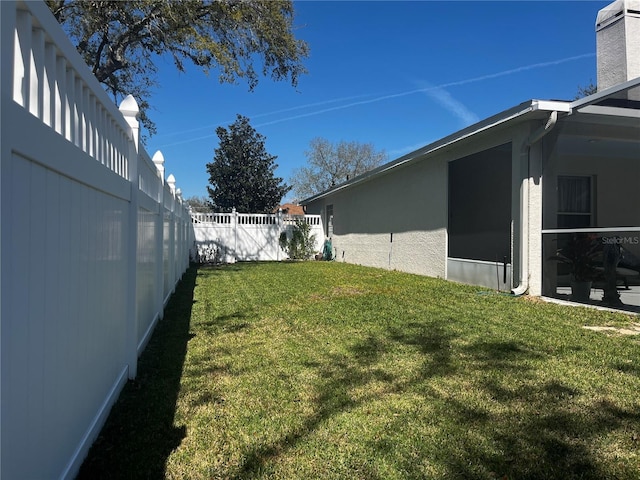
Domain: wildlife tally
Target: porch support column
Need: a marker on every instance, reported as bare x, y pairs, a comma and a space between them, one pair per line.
519, 207
535, 218
527, 210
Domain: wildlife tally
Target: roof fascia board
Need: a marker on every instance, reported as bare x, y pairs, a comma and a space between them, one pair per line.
552, 106
486, 124
598, 96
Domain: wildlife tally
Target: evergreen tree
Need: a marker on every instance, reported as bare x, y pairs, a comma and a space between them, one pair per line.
242, 172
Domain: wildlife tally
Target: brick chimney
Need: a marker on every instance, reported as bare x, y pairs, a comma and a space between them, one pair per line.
618, 43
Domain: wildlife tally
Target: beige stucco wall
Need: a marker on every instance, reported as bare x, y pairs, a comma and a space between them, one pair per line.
534, 182
411, 202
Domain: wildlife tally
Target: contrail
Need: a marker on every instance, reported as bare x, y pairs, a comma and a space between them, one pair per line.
519, 69
457, 108
267, 114
395, 95
422, 90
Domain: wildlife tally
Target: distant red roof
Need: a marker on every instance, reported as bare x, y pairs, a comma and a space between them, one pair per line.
291, 209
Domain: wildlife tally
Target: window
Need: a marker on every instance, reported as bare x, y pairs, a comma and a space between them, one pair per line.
575, 201
329, 221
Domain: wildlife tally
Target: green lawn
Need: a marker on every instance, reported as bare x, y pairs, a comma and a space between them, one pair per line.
327, 370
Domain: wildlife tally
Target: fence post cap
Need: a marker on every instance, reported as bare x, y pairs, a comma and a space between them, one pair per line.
171, 181
158, 158
129, 107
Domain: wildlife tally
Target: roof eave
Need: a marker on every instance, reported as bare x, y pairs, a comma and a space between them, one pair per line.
605, 93
486, 124
590, 104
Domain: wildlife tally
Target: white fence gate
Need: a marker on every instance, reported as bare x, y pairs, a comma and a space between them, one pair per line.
232, 237
92, 244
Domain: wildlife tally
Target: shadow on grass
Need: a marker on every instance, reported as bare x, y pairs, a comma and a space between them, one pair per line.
512, 422
546, 429
543, 429
139, 434
340, 374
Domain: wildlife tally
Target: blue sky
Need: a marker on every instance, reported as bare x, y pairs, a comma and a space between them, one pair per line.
396, 74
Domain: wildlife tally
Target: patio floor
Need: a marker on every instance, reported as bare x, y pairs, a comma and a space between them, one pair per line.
630, 297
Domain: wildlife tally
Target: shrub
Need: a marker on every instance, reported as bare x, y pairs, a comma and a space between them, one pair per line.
301, 245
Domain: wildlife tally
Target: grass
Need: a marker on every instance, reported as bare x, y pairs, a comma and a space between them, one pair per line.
326, 370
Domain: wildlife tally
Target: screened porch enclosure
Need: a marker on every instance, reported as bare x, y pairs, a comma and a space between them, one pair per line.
479, 218
591, 213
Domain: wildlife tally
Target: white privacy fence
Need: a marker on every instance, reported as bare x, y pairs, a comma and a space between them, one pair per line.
231, 237
92, 244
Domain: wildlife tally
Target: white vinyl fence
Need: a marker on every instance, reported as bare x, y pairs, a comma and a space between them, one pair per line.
92, 243
231, 237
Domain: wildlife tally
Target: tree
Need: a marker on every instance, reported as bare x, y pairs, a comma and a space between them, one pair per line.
585, 91
242, 172
198, 204
329, 165
122, 41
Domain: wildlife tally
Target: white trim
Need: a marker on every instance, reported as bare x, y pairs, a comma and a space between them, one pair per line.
592, 230
551, 106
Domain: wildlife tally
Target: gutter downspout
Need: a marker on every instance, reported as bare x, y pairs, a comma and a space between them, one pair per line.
536, 136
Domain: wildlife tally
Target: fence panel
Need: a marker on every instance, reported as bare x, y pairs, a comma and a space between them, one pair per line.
231, 237
146, 258
82, 247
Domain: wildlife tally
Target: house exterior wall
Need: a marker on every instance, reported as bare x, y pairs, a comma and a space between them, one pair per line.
395, 220
399, 219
